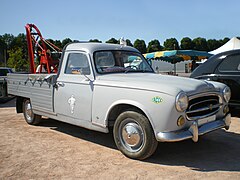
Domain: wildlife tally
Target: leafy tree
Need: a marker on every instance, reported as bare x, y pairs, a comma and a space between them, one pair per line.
200, 44
16, 60
112, 41
213, 44
66, 41
58, 43
153, 46
129, 43
171, 44
5, 44
140, 45
186, 43
9, 43
223, 41
8, 38
20, 41
55, 42
3, 47
95, 40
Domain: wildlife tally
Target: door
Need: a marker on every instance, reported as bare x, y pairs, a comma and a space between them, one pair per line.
73, 94
228, 72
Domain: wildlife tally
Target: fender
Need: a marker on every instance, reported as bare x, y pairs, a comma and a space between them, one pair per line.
132, 103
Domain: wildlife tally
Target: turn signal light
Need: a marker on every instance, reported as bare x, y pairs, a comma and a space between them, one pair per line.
181, 121
225, 109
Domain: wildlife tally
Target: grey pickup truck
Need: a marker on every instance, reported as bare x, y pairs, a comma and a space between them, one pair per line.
107, 87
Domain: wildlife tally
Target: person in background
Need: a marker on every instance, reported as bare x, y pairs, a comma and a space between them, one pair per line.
194, 65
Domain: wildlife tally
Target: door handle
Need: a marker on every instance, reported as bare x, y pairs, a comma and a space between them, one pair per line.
60, 84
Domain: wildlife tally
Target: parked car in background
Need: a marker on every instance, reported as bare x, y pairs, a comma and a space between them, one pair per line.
223, 67
4, 71
3, 83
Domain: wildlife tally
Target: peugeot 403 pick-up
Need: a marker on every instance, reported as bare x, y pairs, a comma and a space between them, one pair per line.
106, 87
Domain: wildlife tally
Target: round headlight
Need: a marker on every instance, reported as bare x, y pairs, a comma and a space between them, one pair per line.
226, 93
181, 102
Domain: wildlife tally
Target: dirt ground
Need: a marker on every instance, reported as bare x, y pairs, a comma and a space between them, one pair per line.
55, 150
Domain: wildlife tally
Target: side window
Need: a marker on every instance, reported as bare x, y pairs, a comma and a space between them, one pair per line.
230, 64
77, 63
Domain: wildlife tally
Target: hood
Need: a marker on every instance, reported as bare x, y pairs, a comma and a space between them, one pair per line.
166, 84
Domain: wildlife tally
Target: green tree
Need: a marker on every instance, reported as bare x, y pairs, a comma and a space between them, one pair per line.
186, 43
140, 45
20, 41
55, 43
3, 47
153, 46
66, 41
58, 43
223, 41
8, 38
129, 43
95, 40
112, 41
200, 44
16, 60
171, 44
213, 44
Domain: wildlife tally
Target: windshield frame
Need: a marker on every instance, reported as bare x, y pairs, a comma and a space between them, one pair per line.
121, 68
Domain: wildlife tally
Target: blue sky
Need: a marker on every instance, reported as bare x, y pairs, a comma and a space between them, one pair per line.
131, 19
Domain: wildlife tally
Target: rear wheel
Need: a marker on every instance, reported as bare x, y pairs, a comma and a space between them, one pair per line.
134, 136
29, 116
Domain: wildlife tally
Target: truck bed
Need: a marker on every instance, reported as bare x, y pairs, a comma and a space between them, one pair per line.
37, 87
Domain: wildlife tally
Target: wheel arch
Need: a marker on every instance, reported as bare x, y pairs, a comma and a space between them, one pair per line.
120, 106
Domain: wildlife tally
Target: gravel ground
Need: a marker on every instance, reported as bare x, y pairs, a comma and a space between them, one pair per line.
55, 150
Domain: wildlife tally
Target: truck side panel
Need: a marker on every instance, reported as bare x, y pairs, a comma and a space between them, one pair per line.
37, 87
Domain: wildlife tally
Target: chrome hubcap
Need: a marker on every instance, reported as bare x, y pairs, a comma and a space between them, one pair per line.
131, 136
28, 110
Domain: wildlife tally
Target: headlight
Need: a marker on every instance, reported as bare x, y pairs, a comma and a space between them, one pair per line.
181, 102
226, 93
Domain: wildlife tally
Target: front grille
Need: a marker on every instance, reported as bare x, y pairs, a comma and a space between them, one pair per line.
203, 106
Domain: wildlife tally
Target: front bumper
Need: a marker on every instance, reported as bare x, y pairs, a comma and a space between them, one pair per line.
194, 131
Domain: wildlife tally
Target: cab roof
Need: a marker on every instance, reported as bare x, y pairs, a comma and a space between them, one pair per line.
92, 47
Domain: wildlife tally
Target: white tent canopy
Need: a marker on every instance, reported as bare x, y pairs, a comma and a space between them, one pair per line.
233, 43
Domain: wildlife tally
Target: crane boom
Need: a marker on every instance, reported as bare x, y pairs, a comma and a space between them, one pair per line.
39, 48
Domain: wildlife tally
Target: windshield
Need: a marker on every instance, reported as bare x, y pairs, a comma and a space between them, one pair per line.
120, 62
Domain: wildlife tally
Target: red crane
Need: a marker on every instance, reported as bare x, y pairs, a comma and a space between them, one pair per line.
39, 48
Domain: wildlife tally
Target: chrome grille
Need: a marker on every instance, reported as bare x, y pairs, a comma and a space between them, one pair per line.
203, 106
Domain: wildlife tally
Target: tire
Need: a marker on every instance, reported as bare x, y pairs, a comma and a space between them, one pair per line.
134, 136
30, 117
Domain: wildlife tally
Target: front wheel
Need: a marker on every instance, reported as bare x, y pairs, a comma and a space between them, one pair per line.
29, 116
134, 136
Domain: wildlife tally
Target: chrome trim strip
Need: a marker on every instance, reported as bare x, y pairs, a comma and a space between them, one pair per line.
208, 100
205, 108
201, 117
204, 94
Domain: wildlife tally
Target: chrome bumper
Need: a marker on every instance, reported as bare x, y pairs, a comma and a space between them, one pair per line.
194, 131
